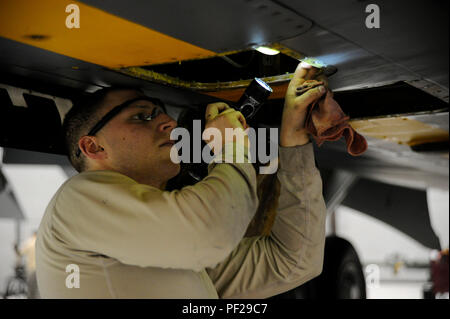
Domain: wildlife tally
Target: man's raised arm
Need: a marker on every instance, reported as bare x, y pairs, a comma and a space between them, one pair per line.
292, 254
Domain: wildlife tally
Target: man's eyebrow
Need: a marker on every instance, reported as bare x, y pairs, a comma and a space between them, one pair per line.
142, 106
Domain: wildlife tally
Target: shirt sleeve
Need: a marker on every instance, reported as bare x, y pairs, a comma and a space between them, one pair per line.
108, 213
292, 254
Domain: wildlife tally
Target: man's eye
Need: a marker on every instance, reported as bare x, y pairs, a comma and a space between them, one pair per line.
143, 117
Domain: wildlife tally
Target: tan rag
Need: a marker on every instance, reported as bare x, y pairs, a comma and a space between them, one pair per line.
327, 122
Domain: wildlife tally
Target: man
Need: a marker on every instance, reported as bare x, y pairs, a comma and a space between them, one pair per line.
119, 234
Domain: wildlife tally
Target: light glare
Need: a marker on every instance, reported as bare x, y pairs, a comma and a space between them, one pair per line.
267, 50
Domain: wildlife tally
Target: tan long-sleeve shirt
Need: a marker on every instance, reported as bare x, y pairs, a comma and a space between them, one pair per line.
129, 240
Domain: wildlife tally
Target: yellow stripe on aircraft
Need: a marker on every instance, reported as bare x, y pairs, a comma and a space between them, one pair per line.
102, 38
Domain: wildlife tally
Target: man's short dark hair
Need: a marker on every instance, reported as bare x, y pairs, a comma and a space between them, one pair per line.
80, 119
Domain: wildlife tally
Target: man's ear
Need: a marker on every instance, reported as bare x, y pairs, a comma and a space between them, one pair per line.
91, 148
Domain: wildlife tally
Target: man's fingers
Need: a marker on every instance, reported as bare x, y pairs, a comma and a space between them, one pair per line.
233, 115
311, 73
213, 112
323, 78
241, 119
307, 85
310, 96
297, 79
213, 109
302, 73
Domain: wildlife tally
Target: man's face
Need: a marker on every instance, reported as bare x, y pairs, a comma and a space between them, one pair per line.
135, 146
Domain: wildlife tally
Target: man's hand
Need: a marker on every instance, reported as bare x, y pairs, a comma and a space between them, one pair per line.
221, 116
293, 131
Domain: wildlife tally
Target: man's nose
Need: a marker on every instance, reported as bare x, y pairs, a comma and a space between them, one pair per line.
167, 124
